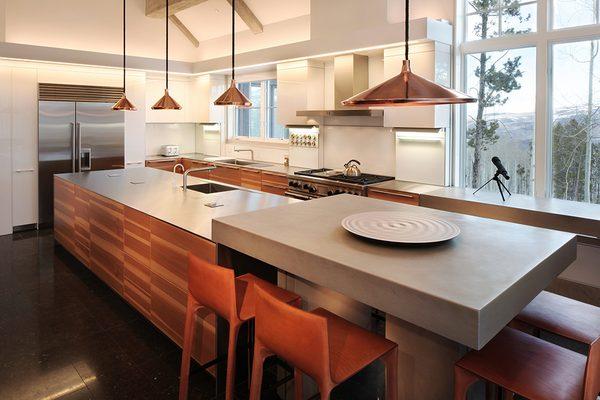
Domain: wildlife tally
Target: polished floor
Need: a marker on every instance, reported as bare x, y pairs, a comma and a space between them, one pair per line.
65, 335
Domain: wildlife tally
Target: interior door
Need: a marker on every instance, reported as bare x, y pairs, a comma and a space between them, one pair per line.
56, 148
100, 133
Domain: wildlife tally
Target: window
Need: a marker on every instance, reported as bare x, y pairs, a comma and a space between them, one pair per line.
491, 18
502, 122
576, 121
545, 128
260, 121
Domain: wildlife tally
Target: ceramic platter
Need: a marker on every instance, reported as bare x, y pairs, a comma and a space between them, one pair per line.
400, 227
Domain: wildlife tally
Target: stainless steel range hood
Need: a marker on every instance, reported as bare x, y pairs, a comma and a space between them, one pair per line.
351, 76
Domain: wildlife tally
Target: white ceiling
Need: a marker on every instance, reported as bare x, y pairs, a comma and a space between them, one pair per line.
212, 19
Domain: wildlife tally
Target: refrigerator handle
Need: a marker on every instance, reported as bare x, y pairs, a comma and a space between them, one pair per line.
73, 147
78, 140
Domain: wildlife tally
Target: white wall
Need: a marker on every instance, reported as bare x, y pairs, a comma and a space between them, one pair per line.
5, 150
373, 147
183, 135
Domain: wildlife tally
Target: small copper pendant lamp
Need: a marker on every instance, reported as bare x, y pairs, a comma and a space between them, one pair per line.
166, 102
123, 104
232, 96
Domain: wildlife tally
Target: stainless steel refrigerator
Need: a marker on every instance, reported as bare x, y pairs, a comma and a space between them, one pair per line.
76, 137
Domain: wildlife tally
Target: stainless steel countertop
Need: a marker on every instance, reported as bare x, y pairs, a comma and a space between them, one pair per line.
405, 186
161, 196
262, 166
564, 215
466, 290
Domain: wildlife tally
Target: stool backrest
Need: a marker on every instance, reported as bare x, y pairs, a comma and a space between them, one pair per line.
212, 286
297, 336
592, 372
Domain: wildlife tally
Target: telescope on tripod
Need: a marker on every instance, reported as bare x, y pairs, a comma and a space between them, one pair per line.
500, 171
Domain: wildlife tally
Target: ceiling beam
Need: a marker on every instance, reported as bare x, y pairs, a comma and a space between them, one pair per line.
186, 32
242, 9
156, 8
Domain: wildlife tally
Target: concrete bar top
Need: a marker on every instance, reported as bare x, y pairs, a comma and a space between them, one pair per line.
159, 194
466, 290
569, 216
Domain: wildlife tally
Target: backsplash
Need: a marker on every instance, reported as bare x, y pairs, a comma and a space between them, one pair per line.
183, 135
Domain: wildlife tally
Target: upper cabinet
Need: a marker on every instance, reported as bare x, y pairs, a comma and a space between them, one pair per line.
300, 86
430, 60
195, 95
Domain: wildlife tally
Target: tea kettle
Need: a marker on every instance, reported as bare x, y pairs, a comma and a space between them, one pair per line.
351, 168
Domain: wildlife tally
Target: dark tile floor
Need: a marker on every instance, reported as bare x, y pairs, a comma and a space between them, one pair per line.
65, 335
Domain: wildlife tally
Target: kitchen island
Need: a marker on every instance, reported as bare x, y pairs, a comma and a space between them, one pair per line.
134, 228
438, 300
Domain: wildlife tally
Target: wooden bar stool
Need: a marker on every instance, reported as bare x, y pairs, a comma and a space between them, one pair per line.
324, 346
568, 318
231, 298
528, 366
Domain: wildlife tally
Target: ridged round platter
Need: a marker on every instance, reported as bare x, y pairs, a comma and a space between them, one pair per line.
400, 227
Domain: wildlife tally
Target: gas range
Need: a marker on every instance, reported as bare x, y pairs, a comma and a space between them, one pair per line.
315, 183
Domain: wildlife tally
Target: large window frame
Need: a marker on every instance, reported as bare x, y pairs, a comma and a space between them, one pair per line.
267, 114
542, 40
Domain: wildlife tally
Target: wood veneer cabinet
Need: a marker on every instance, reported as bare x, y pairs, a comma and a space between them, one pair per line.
274, 183
106, 240
252, 179
64, 214
398, 197
140, 257
226, 174
166, 164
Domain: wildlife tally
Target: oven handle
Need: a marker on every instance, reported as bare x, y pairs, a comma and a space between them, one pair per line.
297, 196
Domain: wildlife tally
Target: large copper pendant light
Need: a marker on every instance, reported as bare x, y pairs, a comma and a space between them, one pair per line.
123, 104
407, 88
166, 102
232, 96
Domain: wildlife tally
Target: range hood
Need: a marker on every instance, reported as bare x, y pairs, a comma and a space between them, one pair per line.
351, 76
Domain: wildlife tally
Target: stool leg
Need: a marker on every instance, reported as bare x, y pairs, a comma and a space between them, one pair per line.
188, 339
298, 390
462, 380
391, 374
260, 354
231, 355
507, 394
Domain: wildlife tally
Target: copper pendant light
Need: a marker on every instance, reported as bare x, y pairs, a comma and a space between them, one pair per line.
407, 89
166, 102
232, 96
124, 104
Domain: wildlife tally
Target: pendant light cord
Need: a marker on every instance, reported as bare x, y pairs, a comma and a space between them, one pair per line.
232, 40
124, 49
406, 25
167, 43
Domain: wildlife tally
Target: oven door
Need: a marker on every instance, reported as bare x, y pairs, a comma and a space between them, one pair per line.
299, 195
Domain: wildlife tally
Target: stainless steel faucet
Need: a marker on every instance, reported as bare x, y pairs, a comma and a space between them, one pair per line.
178, 165
250, 150
186, 173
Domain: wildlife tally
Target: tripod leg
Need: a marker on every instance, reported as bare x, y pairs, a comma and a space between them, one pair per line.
505, 188
500, 188
482, 186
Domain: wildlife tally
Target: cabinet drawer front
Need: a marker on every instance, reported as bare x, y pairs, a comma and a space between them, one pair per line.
169, 254
137, 274
164, 165
136, 297
229, 175
273, 189
251, 179
274, 179
398, 197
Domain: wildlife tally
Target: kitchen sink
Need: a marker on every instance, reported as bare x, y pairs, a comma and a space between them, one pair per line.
241, 162
210, 188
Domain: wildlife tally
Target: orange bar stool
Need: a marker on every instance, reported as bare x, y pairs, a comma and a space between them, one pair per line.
233, 299
530, 367
568, 318
320, 344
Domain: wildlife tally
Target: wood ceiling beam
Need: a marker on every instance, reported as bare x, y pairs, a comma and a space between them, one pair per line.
156, 8
242, 9
186, 32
